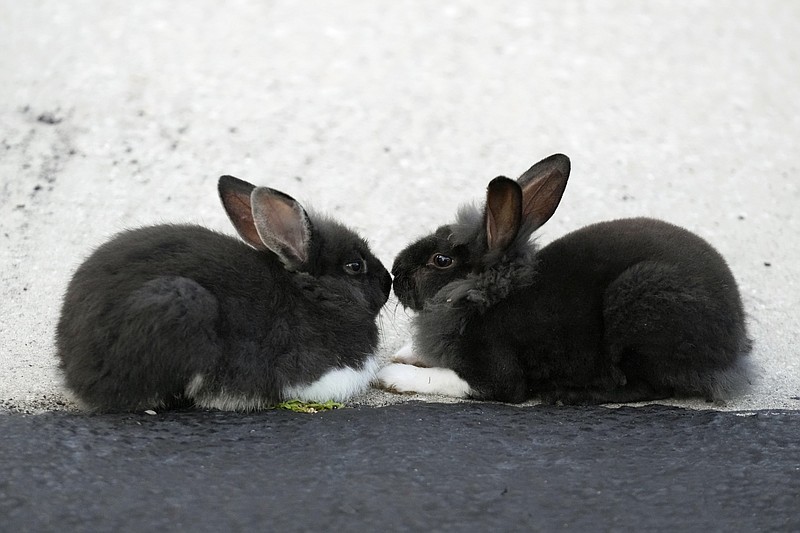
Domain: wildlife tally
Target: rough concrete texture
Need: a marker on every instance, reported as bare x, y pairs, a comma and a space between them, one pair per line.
389, 115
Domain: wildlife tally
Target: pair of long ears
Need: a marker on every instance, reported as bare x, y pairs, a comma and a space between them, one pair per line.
532, 199
267, 220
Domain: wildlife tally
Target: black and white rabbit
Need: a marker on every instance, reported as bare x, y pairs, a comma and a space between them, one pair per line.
620, 311
174, 314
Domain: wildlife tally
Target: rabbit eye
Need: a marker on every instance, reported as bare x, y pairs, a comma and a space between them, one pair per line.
441, 261
356, 267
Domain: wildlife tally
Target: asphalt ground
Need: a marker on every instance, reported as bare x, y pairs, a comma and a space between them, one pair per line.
410, 467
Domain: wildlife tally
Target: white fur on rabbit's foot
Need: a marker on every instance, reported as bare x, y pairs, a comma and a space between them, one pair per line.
339, 384
398, 377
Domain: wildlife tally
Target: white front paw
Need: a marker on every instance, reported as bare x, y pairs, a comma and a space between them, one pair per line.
401, 378
397, 377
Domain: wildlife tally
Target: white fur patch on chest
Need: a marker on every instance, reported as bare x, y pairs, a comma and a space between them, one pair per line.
338, 384
398, 377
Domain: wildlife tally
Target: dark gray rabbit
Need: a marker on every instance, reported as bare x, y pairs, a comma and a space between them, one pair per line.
627, 310
172, 315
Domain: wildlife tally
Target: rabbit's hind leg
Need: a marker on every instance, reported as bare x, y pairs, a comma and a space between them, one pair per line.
663, 327
166, 343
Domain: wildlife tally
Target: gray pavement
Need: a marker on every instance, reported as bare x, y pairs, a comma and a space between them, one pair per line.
412, 467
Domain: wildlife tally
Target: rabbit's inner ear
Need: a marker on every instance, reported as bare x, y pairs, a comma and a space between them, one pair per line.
235, 196
542, 188
282, 225
503, 212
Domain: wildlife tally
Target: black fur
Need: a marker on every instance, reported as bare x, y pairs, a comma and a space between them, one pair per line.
620, 311
156, 306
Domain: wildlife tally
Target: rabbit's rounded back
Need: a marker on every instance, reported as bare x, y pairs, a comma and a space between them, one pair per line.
617, 311
168, 314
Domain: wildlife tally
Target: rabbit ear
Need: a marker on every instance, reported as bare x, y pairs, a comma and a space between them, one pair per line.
235, 196
282, 225
542, 188
503, 215
267, 219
